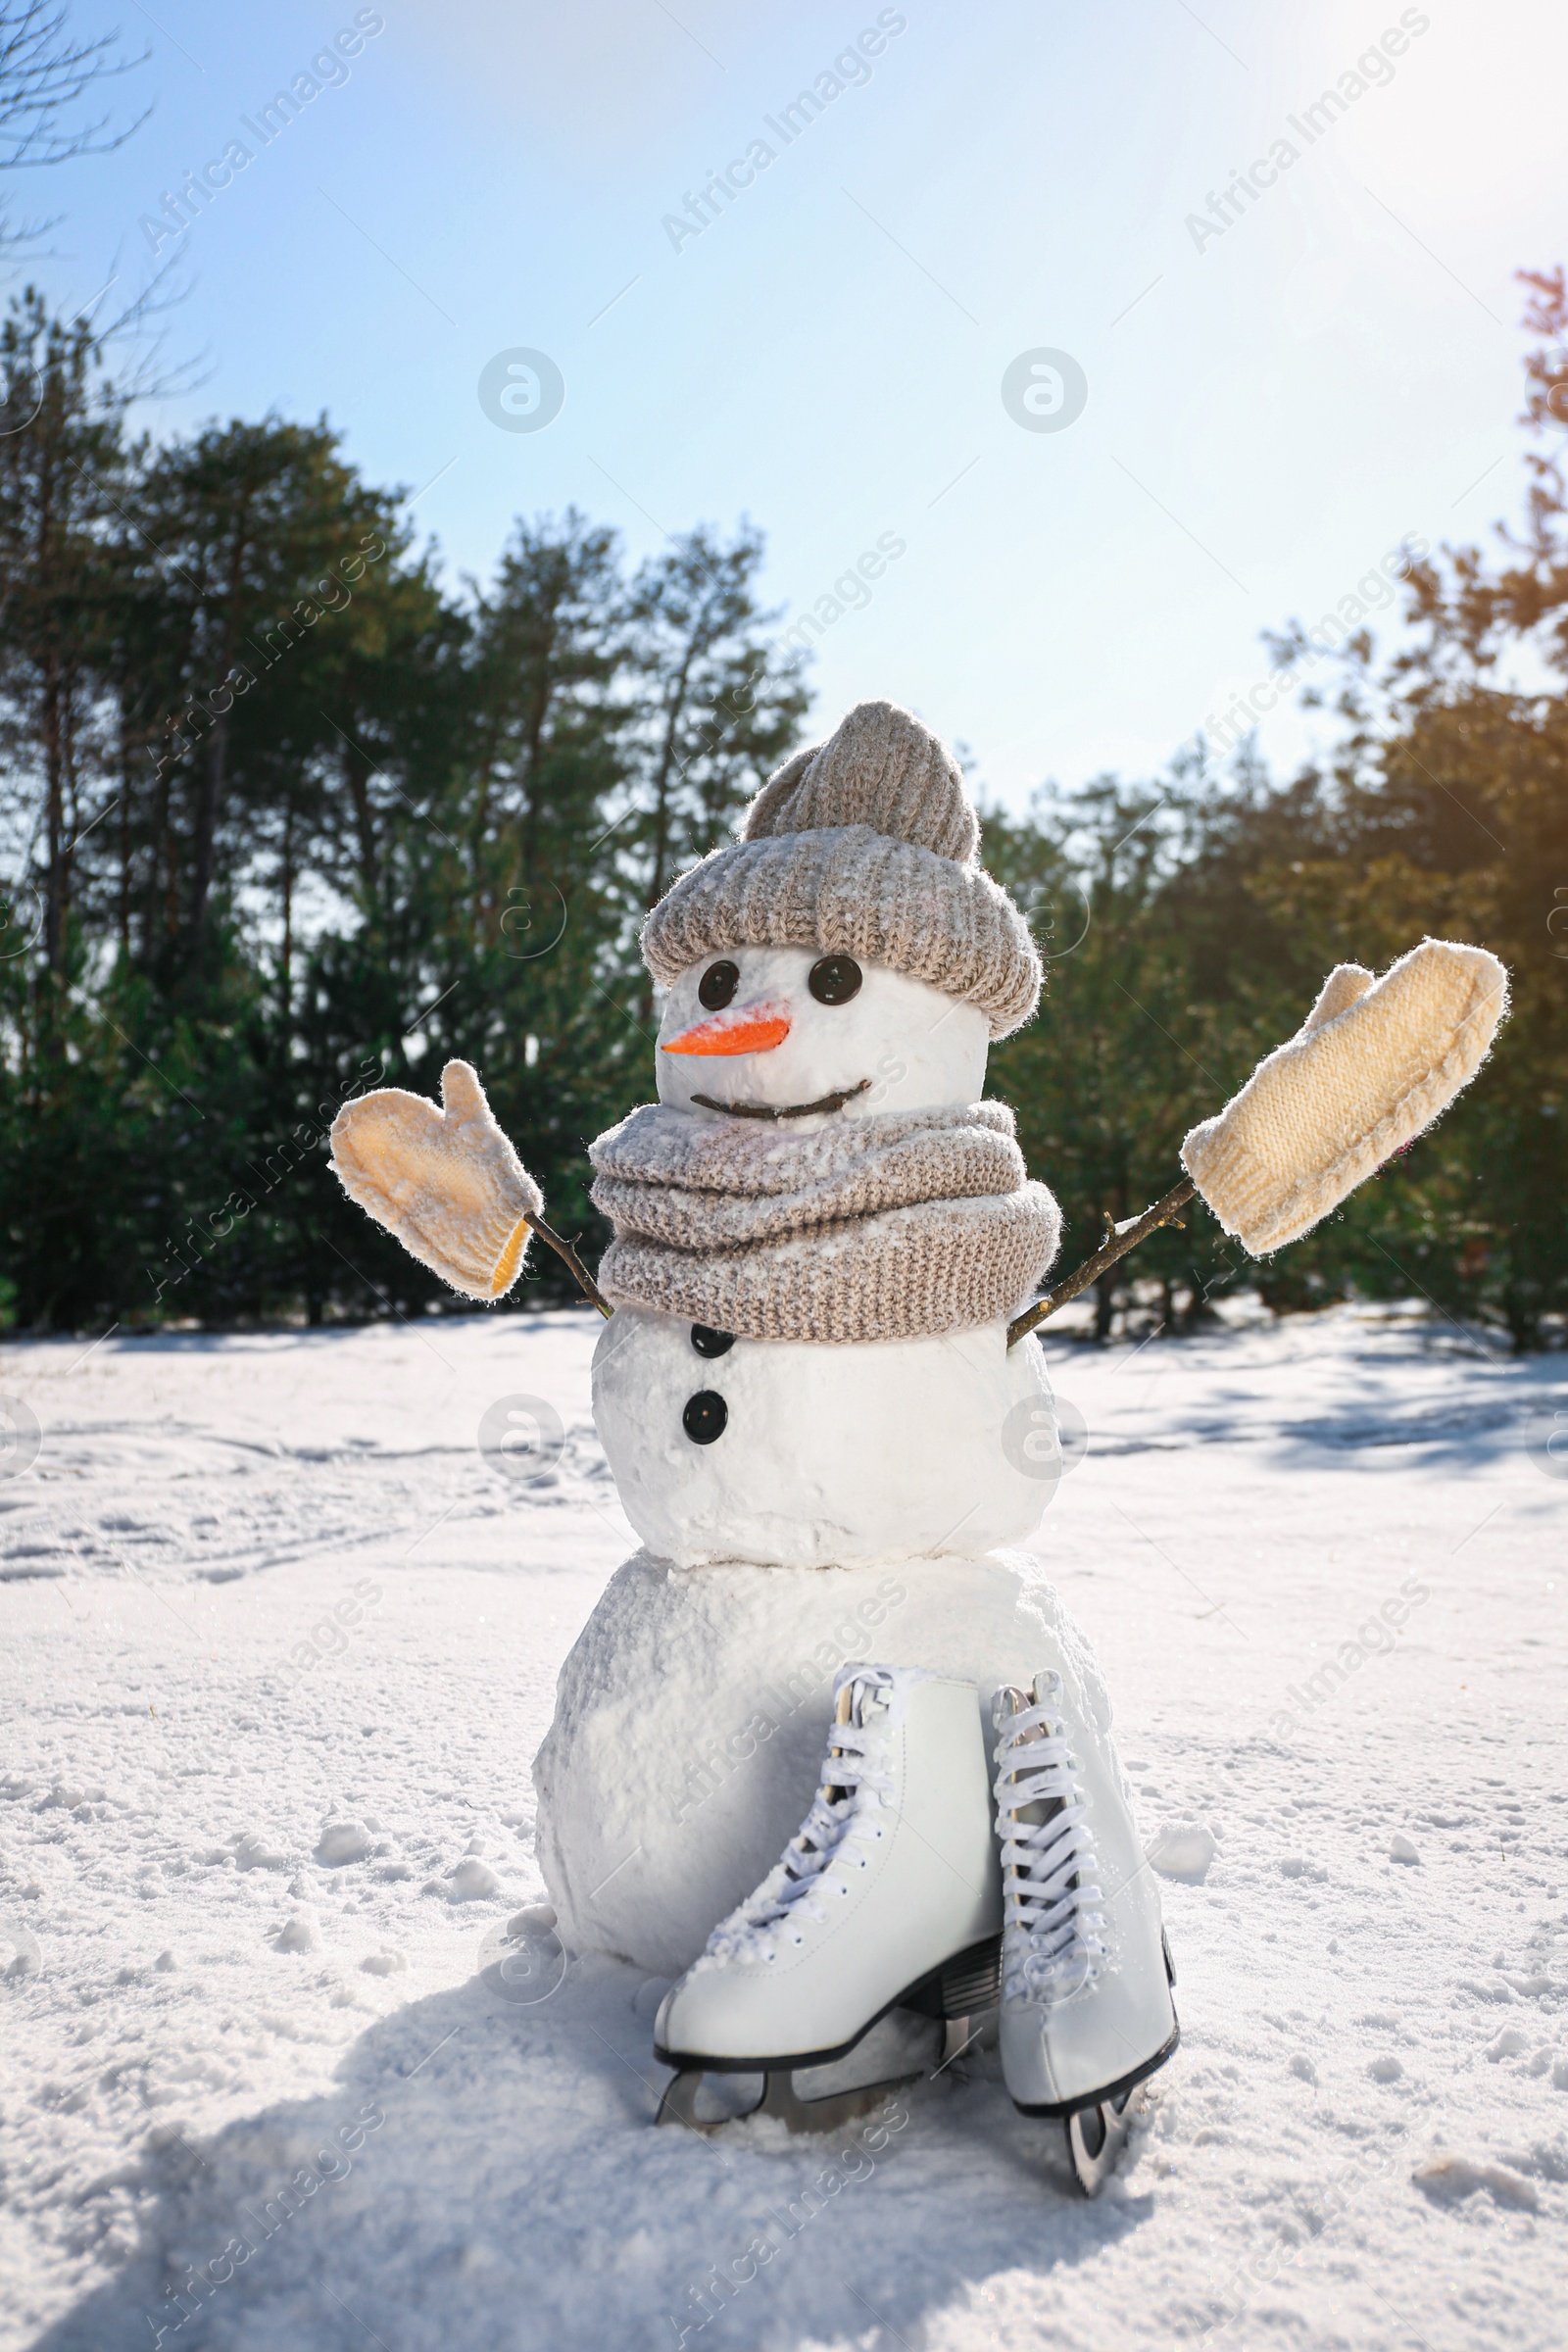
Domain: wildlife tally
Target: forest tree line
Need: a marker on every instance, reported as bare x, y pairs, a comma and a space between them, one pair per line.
286, 814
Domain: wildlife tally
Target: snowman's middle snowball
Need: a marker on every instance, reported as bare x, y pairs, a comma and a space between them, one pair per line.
825, 1458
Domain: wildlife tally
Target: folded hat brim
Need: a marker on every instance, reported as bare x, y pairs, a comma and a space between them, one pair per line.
847, 890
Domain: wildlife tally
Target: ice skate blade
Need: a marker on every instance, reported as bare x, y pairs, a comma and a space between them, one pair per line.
1098, 2134
1097, 2128
960, 2037
779, 2100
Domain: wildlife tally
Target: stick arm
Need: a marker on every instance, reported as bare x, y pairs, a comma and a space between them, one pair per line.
573, 1262
1116, 1244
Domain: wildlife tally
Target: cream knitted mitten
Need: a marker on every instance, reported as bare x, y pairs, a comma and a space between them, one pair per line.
1373, 1064
446, 1182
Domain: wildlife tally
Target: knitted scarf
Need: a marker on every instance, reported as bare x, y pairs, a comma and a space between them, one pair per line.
895, 1227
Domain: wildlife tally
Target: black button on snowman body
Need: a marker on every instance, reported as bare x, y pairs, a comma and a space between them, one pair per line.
705, 1414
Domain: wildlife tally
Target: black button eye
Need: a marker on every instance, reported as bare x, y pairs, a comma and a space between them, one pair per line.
717, 985
835, 979
707, 1341
705, 1416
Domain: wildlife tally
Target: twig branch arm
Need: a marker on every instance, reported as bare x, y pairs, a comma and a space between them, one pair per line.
1115, 1244
573, 1263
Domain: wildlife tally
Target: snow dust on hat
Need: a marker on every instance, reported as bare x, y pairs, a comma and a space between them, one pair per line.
866, 846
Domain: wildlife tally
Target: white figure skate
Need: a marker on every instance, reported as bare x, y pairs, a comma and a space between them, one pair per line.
889, 1896
1087, 2014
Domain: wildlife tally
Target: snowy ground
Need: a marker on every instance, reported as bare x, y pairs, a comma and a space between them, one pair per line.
260, 1588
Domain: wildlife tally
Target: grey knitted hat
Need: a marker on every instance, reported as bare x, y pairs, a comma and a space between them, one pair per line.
866, 846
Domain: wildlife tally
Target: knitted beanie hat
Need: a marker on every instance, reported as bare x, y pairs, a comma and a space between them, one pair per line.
866, 846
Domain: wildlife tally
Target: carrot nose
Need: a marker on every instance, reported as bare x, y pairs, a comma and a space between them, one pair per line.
749, 1029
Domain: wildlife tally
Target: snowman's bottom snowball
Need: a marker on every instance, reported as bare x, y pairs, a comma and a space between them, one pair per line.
691, 1720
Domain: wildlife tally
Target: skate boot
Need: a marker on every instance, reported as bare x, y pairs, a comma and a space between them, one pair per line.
889, 1896
1085, 2005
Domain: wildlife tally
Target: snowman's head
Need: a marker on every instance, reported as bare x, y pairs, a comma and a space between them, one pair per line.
786, 1033
846, 955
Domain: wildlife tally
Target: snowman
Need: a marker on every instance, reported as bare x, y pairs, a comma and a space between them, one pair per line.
829, 1751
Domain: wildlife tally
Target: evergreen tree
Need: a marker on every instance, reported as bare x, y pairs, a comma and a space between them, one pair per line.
284, 816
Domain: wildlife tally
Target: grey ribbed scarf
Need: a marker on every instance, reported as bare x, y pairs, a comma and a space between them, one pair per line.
892, 1227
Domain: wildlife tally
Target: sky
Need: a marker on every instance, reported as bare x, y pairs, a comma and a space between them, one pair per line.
1251, 403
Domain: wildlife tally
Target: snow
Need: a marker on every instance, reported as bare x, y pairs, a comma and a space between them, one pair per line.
1186, 1848
279, 1642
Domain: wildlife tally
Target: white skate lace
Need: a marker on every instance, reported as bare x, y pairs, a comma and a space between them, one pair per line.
1053, 1939
846, 1813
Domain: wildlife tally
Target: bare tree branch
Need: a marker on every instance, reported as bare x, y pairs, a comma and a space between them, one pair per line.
45, 76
